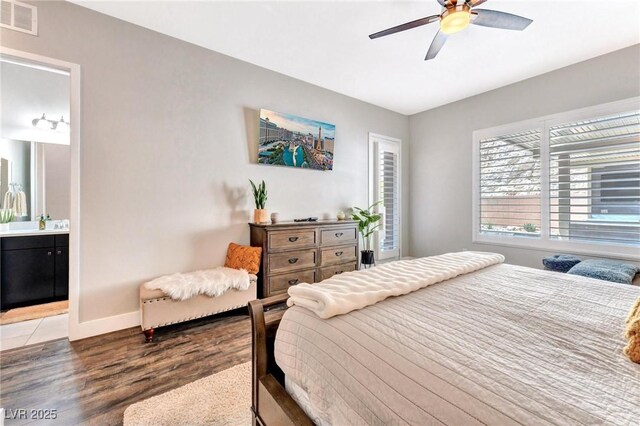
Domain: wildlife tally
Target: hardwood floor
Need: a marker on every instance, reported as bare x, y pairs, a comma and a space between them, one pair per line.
92, 381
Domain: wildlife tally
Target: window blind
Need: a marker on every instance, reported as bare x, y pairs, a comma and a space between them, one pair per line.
594, 178
510, 184
388, 187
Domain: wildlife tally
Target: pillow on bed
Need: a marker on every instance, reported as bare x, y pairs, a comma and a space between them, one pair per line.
560, 262
604, 269
243, 257
632, 350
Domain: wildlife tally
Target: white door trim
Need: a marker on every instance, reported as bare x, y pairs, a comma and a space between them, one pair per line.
75, 149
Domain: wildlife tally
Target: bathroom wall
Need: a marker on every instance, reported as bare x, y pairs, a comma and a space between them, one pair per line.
57, 183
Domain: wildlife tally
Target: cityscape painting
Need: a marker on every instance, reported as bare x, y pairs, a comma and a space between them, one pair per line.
289, 140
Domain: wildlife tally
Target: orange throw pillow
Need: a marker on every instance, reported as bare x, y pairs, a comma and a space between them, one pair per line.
243, 257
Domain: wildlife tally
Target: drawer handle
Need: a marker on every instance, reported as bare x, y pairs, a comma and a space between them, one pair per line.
293, 239
49, 253
293, 282
293, 260
59, 252
339, 253
339, 234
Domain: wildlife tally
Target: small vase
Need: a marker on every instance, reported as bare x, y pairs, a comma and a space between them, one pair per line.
366, 257
274, 218
260, 216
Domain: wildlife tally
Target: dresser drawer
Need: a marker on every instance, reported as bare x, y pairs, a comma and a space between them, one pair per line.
292, 261
338, 236
333, 255
280, 283
292, 239
330, 271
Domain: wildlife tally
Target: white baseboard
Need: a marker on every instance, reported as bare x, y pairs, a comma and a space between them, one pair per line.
105, 325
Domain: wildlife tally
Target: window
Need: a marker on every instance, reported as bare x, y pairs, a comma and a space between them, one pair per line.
510, 184
565, 182
384, 159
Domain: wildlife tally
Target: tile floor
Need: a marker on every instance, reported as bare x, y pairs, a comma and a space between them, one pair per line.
33, 331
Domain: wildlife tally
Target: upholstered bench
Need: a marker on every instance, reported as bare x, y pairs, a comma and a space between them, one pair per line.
158, 310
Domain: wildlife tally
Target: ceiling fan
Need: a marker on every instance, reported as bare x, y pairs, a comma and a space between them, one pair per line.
456, 17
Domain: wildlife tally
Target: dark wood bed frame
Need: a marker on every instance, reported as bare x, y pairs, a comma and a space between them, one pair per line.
271, 403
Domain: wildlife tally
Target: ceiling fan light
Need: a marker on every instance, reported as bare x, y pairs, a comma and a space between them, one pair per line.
454, 21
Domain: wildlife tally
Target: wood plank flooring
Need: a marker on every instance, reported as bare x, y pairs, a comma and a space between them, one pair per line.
92, 381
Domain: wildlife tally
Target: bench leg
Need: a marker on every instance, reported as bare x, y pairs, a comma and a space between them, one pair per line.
148, 335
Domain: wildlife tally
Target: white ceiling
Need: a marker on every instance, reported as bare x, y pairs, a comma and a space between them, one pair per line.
326, 43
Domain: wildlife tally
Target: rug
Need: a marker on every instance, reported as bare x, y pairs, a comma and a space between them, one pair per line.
34, 312
220, 399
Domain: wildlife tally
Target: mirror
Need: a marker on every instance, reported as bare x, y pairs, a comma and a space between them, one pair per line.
40, 171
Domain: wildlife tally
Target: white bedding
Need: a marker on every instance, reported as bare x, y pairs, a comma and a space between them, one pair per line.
503, 345
349, 291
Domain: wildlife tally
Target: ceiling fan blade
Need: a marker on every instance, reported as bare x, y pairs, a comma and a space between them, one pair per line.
495, 19
436, 45
474, 3
407, 26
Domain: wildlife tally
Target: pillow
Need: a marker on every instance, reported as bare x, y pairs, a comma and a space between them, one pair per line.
243, 257
605, 269
632, 350
560, 262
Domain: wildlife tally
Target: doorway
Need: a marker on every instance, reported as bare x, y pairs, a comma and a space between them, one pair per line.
39, 183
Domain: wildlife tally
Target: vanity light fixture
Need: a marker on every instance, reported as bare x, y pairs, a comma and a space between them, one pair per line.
62, 126
42, 123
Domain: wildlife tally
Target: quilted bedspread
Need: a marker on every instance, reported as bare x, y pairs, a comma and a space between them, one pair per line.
502, 345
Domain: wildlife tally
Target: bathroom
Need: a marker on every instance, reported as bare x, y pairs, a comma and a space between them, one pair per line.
35, 203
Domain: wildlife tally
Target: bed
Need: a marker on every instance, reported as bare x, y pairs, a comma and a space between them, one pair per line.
501, 345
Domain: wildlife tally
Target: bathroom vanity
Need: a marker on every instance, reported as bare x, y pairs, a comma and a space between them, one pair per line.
34, 267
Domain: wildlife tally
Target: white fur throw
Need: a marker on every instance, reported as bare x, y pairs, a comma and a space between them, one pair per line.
354, 290
212, 282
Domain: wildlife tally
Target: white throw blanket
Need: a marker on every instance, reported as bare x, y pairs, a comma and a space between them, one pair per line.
354, 290
212, 282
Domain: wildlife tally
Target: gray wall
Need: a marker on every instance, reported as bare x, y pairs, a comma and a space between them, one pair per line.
57, 174
441, 145
169, 141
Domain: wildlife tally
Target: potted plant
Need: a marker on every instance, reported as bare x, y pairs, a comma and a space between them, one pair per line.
260, 197
368, 224
6, 216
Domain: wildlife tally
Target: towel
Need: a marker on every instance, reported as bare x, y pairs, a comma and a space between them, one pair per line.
20, 204
632, 333
355, 290
7, 202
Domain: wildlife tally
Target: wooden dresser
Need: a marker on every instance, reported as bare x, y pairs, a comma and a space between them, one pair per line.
298, 252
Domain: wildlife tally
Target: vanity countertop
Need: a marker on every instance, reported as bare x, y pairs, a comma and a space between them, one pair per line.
31, 232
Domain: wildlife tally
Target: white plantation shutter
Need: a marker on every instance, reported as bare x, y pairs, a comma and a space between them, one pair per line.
388, 187
569, 181
509, 168
594, 179
385, 187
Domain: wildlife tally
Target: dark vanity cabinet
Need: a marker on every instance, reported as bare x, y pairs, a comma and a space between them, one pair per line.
33, 269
